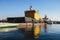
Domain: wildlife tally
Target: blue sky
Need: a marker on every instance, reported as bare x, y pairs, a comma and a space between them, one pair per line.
16, 8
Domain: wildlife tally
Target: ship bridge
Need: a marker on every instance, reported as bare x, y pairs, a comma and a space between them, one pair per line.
33, 14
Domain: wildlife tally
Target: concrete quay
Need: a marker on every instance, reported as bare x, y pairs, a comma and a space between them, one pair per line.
24, 25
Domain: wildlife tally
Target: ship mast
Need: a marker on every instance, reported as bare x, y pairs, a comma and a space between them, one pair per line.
30, 8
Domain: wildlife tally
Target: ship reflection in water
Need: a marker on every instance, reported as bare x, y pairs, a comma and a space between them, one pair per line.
20, 34
50, 32
47, 32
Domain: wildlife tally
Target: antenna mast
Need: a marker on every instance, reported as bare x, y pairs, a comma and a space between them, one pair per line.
30, 8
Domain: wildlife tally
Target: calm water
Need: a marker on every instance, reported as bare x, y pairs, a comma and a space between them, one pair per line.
48, 32
12, 35
51, 32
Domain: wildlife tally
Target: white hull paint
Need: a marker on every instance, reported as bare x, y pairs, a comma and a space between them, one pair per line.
3, 25
8, 24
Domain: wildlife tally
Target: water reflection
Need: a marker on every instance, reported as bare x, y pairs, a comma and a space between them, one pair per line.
21, 34
37, 30
45, 27
50, 32
12, 35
